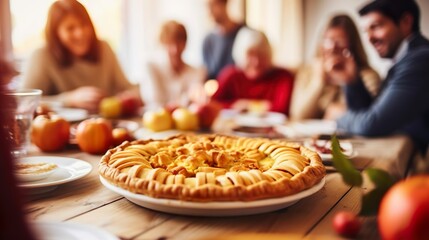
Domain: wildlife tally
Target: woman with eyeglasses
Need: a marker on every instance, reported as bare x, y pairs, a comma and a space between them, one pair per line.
340, 59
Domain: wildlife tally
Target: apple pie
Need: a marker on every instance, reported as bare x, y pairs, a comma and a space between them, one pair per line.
212, 168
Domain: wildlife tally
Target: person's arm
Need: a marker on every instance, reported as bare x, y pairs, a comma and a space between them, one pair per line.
36, 73
371, 80
283, 95
119, 79
123, 87
307, 91
225, 92
357, 95
403, 100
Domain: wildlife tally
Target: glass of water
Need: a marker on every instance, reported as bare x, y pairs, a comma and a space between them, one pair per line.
21, 110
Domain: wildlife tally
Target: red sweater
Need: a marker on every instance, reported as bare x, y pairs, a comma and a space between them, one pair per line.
275, 86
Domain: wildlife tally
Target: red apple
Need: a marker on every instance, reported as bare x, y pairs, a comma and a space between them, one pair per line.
50, 132
171, 107
207, 113
346, 224
129, 105
120, 135
185, 120
404, 210
94, 135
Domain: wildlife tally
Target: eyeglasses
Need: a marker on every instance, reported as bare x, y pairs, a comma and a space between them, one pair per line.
332, 48
344, 52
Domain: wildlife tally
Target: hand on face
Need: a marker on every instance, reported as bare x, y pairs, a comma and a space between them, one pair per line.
334, 111
85, 97
337, 61
340, 70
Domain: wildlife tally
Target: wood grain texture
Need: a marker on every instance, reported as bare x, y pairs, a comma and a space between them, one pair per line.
87, 201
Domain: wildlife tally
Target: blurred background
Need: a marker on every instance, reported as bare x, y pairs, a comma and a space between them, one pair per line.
131, 27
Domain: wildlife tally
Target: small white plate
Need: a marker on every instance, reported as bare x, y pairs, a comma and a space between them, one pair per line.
69, 231
232, 208
308, 128
256, 132
72, 114
268, 119
345, 145
69, 169
145, 134
30, 177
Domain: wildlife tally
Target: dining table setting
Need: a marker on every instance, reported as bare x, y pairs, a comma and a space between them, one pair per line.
76, 199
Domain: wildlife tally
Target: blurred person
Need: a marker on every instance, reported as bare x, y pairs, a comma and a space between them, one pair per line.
393, 28
318, 92
254, 77
75, 67
217, 45
171, 81
13, 224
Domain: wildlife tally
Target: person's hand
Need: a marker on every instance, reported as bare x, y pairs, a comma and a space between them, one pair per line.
241, 105
133, 94
340, 70
85, 97
335, 111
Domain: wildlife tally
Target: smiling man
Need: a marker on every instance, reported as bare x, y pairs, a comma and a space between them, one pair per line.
392, 27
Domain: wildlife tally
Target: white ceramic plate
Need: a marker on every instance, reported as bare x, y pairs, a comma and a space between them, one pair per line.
345, 145
146, 134
266, 120
255, 132
308, 128
30, 177
69, 231
69, 169
235, 208
72, 114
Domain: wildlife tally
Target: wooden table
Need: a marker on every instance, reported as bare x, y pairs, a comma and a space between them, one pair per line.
87, 201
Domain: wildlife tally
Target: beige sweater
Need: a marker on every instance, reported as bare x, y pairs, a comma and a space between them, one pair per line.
311, 96
44, 73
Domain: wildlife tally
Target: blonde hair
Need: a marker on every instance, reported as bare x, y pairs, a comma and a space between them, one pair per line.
246, 39
172, 31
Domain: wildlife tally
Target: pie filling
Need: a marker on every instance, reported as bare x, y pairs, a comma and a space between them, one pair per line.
212, 168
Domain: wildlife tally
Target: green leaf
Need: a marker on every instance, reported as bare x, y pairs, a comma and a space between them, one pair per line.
349, 173
371, 201
380, 178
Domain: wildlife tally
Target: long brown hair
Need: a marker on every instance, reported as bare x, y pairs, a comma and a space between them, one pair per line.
355, 44
57, 12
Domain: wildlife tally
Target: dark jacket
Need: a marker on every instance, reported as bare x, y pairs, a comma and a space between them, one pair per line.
403, 103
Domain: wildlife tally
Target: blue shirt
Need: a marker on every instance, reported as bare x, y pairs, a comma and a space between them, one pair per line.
217, 51
403, 103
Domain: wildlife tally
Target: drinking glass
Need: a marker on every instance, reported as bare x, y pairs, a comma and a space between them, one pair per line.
21, 112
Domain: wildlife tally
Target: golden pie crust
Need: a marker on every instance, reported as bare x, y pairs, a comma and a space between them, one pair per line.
212, 168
